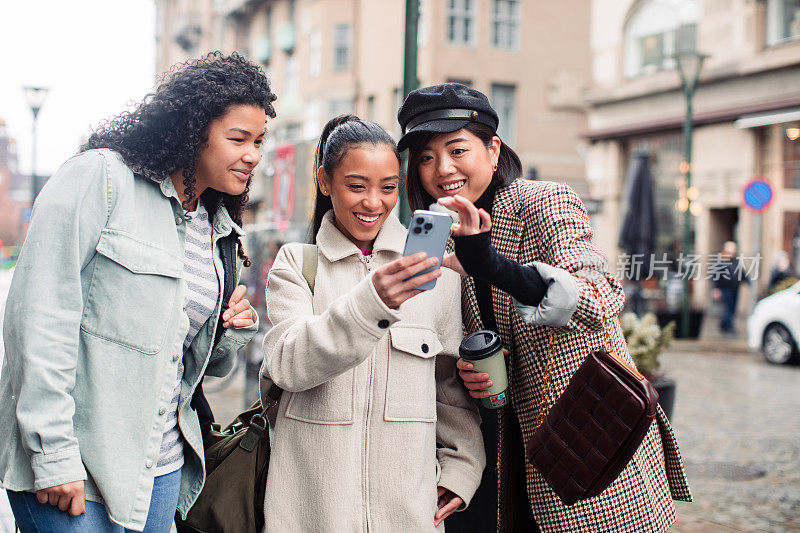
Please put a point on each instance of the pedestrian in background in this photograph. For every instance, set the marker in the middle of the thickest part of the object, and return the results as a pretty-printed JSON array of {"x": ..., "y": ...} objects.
[
  {"x": 530, "y": 269},
  {"x": 780, "y": 273},
  {"x": 728, "y": 276},
  {"x": 115, "y": 311},
  {"x": 374, "y": 432}
]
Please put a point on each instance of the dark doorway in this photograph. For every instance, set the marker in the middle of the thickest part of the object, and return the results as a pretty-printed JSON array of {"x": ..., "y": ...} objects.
[{"x": 723, "y": 227}]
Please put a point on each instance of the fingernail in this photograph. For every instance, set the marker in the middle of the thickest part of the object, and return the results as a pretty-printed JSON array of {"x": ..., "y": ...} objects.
[{"x": 491, "y": 383}]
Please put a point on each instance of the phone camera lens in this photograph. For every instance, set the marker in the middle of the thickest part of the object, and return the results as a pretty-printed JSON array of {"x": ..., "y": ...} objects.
[
  {"x": 420, "y": 220},
  {"x": 428, "y": 225},
  {"x": 417, "y": 229}
]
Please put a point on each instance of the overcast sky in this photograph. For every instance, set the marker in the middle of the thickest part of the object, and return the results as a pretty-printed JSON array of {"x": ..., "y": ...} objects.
[{"x": 97, "y": 56}]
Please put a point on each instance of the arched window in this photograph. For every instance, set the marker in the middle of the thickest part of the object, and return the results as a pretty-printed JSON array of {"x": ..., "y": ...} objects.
[{"x": 655, "y": 30}]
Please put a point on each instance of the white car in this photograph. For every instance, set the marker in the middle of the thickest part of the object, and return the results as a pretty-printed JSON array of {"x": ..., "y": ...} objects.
[{"x": 774, "y": 326}]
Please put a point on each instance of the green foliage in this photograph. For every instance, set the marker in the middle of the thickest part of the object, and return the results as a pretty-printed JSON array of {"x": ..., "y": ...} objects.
[{"x": 646, "y": 340}]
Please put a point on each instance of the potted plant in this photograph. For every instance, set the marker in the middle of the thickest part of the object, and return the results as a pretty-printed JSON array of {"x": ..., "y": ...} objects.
[{"x": 646, "y": 340}]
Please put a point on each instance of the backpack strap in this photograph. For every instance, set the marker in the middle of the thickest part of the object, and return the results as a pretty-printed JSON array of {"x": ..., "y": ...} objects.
[
  {"x": 310, "y": 260},
  {"x": 272, "y": 392}
]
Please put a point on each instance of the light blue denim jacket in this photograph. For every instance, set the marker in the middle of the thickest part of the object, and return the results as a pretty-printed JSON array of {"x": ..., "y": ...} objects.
[{"x": 94, "y": 328}]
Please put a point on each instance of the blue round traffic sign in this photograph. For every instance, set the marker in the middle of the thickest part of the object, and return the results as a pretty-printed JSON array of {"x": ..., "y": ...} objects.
[{"x": 757, "y": 195}]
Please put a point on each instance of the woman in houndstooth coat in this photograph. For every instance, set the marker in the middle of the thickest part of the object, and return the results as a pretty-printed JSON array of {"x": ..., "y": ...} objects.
[{"x": 529, "y": 269}]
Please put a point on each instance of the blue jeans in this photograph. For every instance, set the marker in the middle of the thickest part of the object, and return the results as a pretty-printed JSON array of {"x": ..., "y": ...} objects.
[
  {"x": 729, "y": 300},
  {"x": 35, "y": 517}
]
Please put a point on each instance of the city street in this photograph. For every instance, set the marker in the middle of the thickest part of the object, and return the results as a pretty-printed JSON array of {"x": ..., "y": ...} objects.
[{"x": 737, "y": 424}]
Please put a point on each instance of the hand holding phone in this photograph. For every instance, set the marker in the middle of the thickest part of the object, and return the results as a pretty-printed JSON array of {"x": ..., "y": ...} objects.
[{"x": 428, "y": 232}]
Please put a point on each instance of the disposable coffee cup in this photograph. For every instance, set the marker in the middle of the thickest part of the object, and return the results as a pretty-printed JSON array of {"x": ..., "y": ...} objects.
[{"x": 484, "y": 349}]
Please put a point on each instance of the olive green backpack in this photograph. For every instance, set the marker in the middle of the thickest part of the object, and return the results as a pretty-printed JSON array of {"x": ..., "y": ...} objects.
[{"x": 237, "y": 460}]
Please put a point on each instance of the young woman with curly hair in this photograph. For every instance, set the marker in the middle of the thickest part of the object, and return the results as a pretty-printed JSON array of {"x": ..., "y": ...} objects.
[{"x": 116, "y": 310}]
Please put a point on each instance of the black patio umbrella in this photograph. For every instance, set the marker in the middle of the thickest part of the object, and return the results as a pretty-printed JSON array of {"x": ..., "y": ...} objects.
[{"x": 638, "y": 232}]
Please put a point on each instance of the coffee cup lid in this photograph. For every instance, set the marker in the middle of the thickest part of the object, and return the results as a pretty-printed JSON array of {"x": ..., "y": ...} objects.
[{"x": 480, "y": 345}]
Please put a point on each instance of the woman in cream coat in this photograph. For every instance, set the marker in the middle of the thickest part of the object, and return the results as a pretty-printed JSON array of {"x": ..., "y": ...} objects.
[{"x": 370, "y": 385}]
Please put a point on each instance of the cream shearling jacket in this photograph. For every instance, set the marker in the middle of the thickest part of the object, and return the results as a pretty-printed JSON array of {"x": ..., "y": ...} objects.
[{"x": 368, "y": 393}]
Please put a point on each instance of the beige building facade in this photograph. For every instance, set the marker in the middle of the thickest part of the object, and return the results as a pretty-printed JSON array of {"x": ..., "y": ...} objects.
[
  {"x": 746, "y": 116},
  {"x": 328, "y": 57}
]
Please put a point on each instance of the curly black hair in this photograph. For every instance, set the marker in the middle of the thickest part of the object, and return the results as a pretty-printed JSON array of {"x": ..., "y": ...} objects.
[{"x": 168, "y": 129}]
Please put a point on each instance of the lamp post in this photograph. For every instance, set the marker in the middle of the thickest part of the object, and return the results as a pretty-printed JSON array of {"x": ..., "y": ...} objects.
[
  {"x": 410, "y": 82},
  {"x": 689, "y": 65},
  {"x": 35, "y": 97}
]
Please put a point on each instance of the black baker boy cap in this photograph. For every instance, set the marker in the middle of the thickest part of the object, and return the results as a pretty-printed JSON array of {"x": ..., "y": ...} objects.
[{"x": 441, "y": 109}]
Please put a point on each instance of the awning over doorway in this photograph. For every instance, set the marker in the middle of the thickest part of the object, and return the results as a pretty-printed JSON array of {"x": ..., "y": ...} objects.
[{"x": 756, "y": 120}]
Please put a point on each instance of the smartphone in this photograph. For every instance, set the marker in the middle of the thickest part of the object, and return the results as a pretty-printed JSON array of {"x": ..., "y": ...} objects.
[{"x": 428, "y": 232}]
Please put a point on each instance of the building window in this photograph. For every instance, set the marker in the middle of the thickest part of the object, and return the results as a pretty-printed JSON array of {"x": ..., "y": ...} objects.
[
  {"x": 342, "y": 44},
  {"x": 461, "y": 21},
  {"x": 291, "y": 85},
  {"x": 655, "y": 31},
  {"x": 791, "y": 155},
  {"x": 783, "y": 20},
  {"x": 666, "y": 153},
  {"x": 503, "y": 97},
  {"x": 505, "y": 24},
  {"x": 288, "y": 133},
  {"x": 371, "y": 107},
  {"x": 341, "y": 106},
  {"x": 315, "y": 53}
]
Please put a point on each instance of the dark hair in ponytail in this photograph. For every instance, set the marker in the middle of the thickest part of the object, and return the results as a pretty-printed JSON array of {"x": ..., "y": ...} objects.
[
  {"x": 338, "y": 136},
  {"x": 509, "y": 167}
]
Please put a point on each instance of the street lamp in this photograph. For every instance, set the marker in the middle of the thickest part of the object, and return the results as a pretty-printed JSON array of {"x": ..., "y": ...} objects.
[
  {"x": 35, "y": 97},
  {"x": 410, "y": 82},
  {"x": 689, "y": 65}
]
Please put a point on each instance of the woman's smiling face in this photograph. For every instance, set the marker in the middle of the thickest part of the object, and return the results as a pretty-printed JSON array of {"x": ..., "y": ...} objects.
[
  {"x": 363, "y": 190},
  {"x": 457, "y": 163}
]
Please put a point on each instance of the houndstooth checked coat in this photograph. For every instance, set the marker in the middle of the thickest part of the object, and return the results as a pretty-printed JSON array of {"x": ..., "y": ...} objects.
[{"x": 546, "y": 222}]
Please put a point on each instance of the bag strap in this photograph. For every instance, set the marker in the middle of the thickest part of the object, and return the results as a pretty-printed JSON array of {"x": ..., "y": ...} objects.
[
  {"x": 310, "y": 260},
  {"x": 549, "y": 371},
  {"x": 309, "y": 268}
]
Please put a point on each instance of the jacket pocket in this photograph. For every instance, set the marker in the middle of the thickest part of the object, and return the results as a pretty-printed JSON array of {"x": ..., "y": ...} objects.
[
  {"x": 131, "y": 298},
  {"x": 330, "y": 403},
  {"x": 410, "y": 379}
]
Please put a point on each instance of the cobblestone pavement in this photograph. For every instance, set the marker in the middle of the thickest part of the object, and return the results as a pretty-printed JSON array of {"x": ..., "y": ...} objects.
[{"x": 736, "y": 418}]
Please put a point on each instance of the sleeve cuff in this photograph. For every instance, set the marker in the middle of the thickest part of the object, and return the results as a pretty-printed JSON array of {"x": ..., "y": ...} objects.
[
  {"x": 560, "y": 300},
  {"x": 461, "y": 482},
  {"x": 242, "y": 336},
  {"x": 369, "y": 310},
  {"x": 475, "y": 253},
  {"x": 53, "y": 469}
]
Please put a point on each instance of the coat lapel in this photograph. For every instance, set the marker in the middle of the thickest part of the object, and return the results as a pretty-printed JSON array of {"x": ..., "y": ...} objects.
[{"x": 469, "y": 306}]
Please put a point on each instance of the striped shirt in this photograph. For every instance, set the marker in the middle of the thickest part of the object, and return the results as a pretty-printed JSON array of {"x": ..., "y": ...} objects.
[{"x": 202, "y": 290}]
